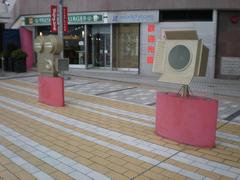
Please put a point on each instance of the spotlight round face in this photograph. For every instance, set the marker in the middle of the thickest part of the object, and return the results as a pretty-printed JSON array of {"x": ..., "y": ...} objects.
[{"x": 179, "y": 57}]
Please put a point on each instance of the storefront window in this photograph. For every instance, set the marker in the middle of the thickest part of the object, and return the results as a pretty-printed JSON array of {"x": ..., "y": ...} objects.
[
  {"x": 74, "y": 44},
  {"x": 44, "y": 30},
  {"x": 99, "y": 45},
  {"x": 126, "y": 46}
]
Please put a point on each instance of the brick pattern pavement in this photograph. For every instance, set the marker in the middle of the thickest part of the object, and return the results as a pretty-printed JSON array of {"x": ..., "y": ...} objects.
[
  {"x": 130, "y": 93},
  {"x": 95, "y": 137}
]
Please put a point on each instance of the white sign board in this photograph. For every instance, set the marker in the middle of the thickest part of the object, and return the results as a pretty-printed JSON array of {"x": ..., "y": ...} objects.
[
  {"x": 230, "y": 66},
  {"x": 132, "y": 17}
]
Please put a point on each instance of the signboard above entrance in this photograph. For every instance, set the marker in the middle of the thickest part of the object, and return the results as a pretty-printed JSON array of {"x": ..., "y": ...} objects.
[
  {"x": 97, "y": 18},
  {"x": 72, "y": 19}
]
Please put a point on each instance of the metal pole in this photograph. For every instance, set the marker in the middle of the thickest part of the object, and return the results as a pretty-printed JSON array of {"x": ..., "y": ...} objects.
[
  {"x": 60, "y": 24},
  {"x": 213, "y": 61}
]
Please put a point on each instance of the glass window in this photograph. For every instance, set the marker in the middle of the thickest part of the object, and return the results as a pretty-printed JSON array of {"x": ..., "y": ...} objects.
[
  {"x": 126, "y": 45},
  {"x": 185, "y": 15},
  {"x": 99, "y": 46},
  {"x": 44, "y": 30},
  {"x": 74, "y": 45}
]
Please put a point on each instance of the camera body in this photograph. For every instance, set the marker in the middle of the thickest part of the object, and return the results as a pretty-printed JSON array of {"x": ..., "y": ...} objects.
[{"x": 48, "y": 49}]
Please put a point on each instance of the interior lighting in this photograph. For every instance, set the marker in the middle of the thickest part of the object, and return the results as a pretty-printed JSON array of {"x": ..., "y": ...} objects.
[{"x": 6, "y": 2}]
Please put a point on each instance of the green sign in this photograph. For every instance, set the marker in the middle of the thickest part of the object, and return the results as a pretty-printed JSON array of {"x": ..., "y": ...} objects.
[
  {"x": 37, "y": 20},
  {"x": 72, "y": 19}
]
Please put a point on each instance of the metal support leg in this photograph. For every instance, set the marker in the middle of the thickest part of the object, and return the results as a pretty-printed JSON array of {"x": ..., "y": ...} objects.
[{"x": 184, "y": 91}]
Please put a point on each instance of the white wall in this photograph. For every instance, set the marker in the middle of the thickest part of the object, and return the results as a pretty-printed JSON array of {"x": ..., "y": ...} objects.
[{"x": 4, "y": 14}]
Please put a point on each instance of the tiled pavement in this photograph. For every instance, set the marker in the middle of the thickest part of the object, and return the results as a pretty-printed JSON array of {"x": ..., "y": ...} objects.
[
  {"x": 133, "y": 93},
  {"x": 96, "y": 137}
]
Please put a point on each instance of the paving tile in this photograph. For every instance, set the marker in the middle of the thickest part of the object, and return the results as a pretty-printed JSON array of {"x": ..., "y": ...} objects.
[
  {"x": 42, "y": 176},
  {"x": 133, "y": 167},
  {"x": 96, "y": 175},
  {"x": 17, "y": 160},
  {"x": 81, "y": 168},
  {"x": 47, "y": 168},
  {"x": 173, "y": 175},
  {"x": 117, "y": 176},
  {"x": 99, "y": 168},
  {"x": 79, "y": 176},
  {"x": 30, "y": 168},
  {"x": 131, "y": 174},
  {"x": 169, "y": 167},
  {"x": 2, "y": 168},
  {"x": 4, "y": 160},
  {"x": 13, "y": 168},
  {"x": 7, "y": 175},
  {"x": 39, "y": 154},
  {"x": 54, "y": 154},
  {"x": 65, "y": 169},
  {"x": 61, "y": 176},
  {"x": 117, "y": 168},
  {"x": 191, "y": 175},
  {"x": 67, "y": 161},
  {"x": 153, "y": 175},
  {"x": 142, "y": 178},
  {"x": 226, "y": 173},
  {"x": 116, "y": 160},
  {"x": 209, "y": 174},
  {"x": 51, "y": 161}
]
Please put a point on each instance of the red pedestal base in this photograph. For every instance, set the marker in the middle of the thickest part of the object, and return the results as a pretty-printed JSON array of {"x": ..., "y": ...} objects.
[
  {"x": 189, "y": 120},
  {"x": 51, "y": 90}
]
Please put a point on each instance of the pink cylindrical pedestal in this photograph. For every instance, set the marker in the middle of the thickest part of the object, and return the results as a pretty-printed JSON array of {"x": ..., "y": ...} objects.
[
  {"x": 51, "y": 90},
  {"x": 189, "y": 120}
]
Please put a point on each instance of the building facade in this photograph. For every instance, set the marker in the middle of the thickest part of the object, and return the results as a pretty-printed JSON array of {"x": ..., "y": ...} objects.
[
  {"x": 4, "y": 18},
  {"x": 121, "y": 35}
]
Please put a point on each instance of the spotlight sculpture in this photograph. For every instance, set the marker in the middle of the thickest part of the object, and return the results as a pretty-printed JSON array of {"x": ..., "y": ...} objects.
[
  {"x": 180, "y": 58},
  {"x": 49, "y": 65},
  {"x": 186, "y": 119}
]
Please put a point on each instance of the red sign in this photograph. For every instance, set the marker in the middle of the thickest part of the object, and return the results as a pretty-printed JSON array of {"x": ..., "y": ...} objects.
[
  {"x": 151, "y": 27},
  {"x": 151, "y": 49},
  {"x": 54, "y": 25},
  {"x": 65, "y": 19},
  {"x": 150, "y": 60},
  {"x": 151, "y": 38}
]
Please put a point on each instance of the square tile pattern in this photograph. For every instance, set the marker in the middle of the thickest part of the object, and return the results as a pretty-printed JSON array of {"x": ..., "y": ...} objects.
[{"x": 104, "y": 138}]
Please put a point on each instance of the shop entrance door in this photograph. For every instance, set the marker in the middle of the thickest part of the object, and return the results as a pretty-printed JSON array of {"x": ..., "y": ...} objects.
[{"x": 101, "y": 50}]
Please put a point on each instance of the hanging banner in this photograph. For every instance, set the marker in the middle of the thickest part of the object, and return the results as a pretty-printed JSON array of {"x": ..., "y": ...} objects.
[
  {"x": 65, "y": 19},
  {"x": 54, "y": 25}
]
